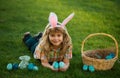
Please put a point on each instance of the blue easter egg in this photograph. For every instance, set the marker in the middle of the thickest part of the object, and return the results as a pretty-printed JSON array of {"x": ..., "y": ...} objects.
[
  {"x": 15, "y": 66},
  {"x": 85, "y": 67},
  {"x": 30, "y": 66},
  {"x": 9, "y": 66},
  {"x": 112, "y": 55},
  {"x": 108, "y": 57},
  {"x": 61, "y": 64},
  {"x": 91, "y": 68},
  {"x": 55, "y": 65},
  {"x": 35, "y": 68}
]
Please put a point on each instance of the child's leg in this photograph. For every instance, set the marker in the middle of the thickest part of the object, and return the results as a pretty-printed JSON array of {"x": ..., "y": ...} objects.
[
  {"x": 29, "y": 40},
  {"x": 32, "y": 49},
  {"x": 36, "y": 37},
  {"x": 27, "y": 36}
]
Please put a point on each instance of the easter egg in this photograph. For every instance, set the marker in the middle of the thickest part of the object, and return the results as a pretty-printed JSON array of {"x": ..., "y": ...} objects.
[
  {"x": 9, "y": 66},
  {"x": 85, "y": 67},
  {"x": 15, "y": 66},
  {"x": 112, "y": 55},
  {"x": 35, "y": 68},
  {"x": 30, "y": 66},
  {"x": 55, "y": 65},
  {"x": 108, "y": 57},
  {"x": 91, "y": 68},
  {"x": 61, "y": 64}
]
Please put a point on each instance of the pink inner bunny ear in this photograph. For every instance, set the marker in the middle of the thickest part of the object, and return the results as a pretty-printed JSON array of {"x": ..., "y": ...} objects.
[
  {"x": 67, "y": 19},
  {"x": 53, "y": 19}
]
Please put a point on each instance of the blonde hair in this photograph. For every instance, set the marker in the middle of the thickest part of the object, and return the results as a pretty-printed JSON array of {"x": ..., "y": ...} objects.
[{"x": 47, "y": 46}]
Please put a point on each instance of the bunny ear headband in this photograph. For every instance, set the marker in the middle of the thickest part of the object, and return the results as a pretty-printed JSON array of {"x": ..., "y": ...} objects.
[{"x": 53, "y": 20}]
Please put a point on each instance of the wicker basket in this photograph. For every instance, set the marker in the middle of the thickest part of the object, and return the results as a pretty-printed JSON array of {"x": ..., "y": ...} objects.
[{"x": 88, "y": 57}]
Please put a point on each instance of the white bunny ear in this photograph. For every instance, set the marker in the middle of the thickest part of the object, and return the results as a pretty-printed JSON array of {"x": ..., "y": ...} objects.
[
  {"x": 67, "y": 19},
  {"x": 53, "y": 19}
]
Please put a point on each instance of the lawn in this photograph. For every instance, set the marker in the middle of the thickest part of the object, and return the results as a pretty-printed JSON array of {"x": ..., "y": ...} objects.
[{"x": 91, "y": 16}]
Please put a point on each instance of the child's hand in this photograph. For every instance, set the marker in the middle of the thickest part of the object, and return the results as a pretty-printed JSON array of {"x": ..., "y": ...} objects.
[
  {"x": 64, "y": 68},
  {"x": 54, "y": 69}
]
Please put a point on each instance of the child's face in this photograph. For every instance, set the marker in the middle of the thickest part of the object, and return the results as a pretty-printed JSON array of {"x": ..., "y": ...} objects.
[{"x": 56, "y": 38}]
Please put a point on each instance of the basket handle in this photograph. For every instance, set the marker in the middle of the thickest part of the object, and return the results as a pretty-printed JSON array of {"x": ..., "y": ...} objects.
[{"x": 95, "y": 34}]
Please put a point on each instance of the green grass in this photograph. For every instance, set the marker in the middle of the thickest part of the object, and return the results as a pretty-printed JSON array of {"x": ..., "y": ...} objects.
[{"x": 91, "y": 16}]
